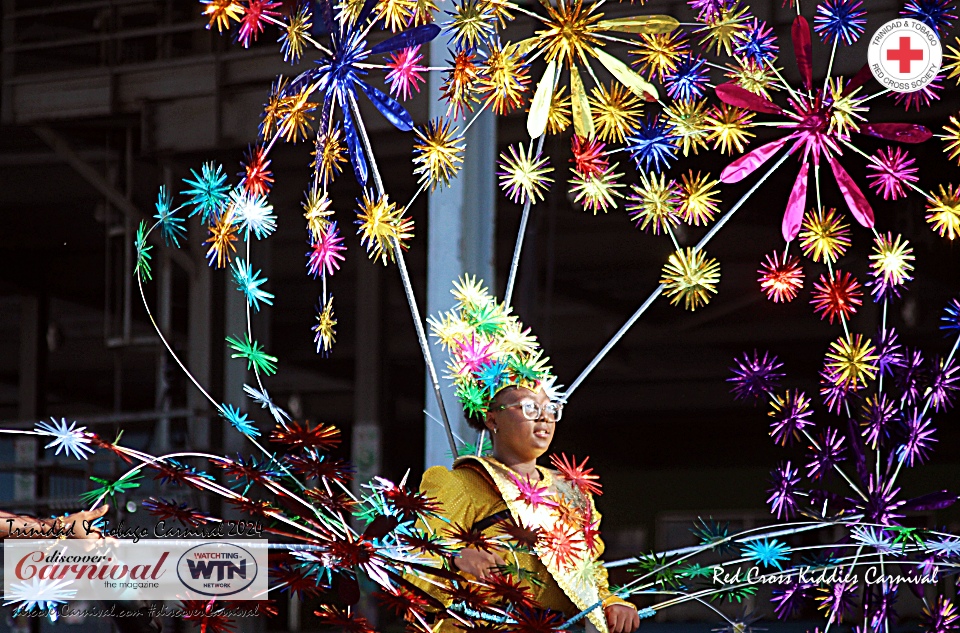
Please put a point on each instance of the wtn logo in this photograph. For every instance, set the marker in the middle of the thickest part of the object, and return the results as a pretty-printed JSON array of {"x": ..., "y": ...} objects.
[{"x": 223, "y": 568}]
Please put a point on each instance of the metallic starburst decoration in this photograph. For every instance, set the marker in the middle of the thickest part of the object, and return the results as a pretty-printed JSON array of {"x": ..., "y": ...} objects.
[
  {"x": 943, "y": 212},
  {"x": 437, "y": 153},
  {"x": 824, "y": 237},
  {"x": 852, "y": 360},
  {"x": 691, "y": 277},
  {"x": 324, "y": 332},
  {"x": 781, "y": 277},
  {"x": 524, "y": 174}
]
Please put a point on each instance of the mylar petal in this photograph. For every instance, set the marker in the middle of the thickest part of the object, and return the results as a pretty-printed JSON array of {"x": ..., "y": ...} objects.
[
  {"x": 793, "y": 216},
  {"x": 900, "y": 132},
  {"x": 627, "y": 76},
  {"x": 750, "y": 162},
  {"x": 803, "y": 49},
  {"x": 851, "y": 193},
  {"x": 389, "y": 107},
  {"x": 357, "y": 157},
  {"x": 580, "y": 107},
  {"x": 406, "y": 39},
  {"x": 735, "y": 95},
  {"x": 540, "y": 106},
  {"x": 651, "y": 24}
]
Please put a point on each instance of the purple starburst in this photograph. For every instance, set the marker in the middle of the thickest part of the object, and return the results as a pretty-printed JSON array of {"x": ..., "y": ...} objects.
[
  {"x": 755, "y": 377},
  {"x": 708, "y": 9},
  {"x": 943, "y": 386},
  {"x": 881, "y": 502},
  {"x": 916, "y": 448},
  {"x": 909, "y": 376},
  {"x": 826, "y": 453},
  {"x": 840, "y": 20},
  {"x": 893, "y": 169},
  {"x": 837, "y": 395},
  {"x": 838, "y": 598},
  {"x": 788, "y": 601},
  {"x": 782, "y": 499},
  {"x": 889, "y": 354},
  {"x": 790, "y": 413},
  {"x": 941, "y": 617},
  {"x": 878, "y": 417},
  {"x": 923, "y": 97},
  {"x": 951, "y": 317}
]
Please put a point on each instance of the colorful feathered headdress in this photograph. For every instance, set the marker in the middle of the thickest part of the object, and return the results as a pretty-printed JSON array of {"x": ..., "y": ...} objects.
[{"x": 489, "y": 348}]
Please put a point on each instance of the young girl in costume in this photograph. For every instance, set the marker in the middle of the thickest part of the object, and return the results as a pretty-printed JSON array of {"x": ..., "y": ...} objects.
[{"x": 539, "y": 526}]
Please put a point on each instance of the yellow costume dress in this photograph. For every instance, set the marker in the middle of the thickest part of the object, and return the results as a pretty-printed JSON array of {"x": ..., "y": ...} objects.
[{"x": 480, "y": 491}]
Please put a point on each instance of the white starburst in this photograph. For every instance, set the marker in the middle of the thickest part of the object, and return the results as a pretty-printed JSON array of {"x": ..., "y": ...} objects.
[
  {"x": 39, "y": 595},
  {"x": 69, "y": 439}
]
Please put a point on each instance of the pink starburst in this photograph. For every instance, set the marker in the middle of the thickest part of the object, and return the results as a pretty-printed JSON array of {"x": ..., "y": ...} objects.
[
  {"x": 893, "y": 168},
  {"x": 781, "y": 278},
  {"x": 923, "y": 97},
  {"x": 251, "y": 25},
  {"x": 589, "y": 158},
  {"x": 405, "y": 72},
  {"x": 473, "y": 354},
  {"x": 325, "y": 257},
  {"x": 532, "y": 493}
]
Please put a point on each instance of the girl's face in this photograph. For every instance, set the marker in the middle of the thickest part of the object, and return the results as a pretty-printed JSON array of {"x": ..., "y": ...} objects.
[{"x": 515, "y": 434}]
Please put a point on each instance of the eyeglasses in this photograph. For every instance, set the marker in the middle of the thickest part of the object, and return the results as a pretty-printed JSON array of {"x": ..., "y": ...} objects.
[{"x": 551, "y": 412}]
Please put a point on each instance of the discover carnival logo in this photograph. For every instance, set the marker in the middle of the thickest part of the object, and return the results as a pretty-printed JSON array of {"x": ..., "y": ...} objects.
[
  {"x": 150, "y": 569},
  {"x": 217, "y": 569}
]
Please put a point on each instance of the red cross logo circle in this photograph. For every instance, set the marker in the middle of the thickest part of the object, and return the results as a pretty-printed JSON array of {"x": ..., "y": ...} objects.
[{"x": 905, "y": 55}]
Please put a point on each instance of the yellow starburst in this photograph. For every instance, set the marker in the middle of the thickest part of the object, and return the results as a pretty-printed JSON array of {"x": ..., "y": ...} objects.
[
  {"x": 325, "y": 334},
  {"x": 223, "y": 233},
  {"x": 271, "y": 111},
  {"x": 317, "y": 207},
  {"x": 221, "y": 12},
  {"x": 461, "y": 83},
  {"x": 514, "y": 340},
  {"x": 845, "y": 110},
  {"x": 437, "y": 152},
  {"x": 943, "y": 212},
  {"x": 890, "y": 260},
  {"x": 348, "y": 11},
  {"x": 524, "y": 175},
  {"x": 396, "y": 14},
  {"x": 474, "y": 21},
  {"x": 658, "y": 53},
  {"x": 470, "y": 292},
  {"x": 851, "y": 360},
  {"x": 689, "y": 276},
  {"x": 698, "y": 202},
  {"x": 503, "y": 78},
  {"x": 596, "y": 192},
  {"x": 953, "y": 67},
  {"x": 760, "y": 79},
  {"x": 689, "y": 121},
  {"x": 615, "y": 113},
  {"x": 824, "y": 236},
  {"x": 295, "y": 34},
  {"x": 295, "y": 117},
  {"x": 423, "y": 12},
  {"x": 558, "y": 117},
  {"x": 449, "y": 329},
  {"x": 951, "y": 136},
  {"x": 570, "y": 33},
  {"x": 332, "y": 154},
  {"x": 723, "y": 28},
  {"x": 382, "y": 227},
  {"x": 653, "y": 203},
  {"x": 727, "y": 127}
]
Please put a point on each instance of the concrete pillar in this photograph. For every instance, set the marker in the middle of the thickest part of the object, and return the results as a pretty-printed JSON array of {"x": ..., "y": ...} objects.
[{"x": 460, "y": 239}]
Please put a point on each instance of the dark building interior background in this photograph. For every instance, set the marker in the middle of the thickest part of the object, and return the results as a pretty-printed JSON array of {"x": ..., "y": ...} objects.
[{"x": 104, "y": 101}]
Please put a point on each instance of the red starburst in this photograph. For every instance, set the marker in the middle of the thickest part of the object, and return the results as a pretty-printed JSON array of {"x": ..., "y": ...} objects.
[
  {"x": 313, "y": 466},
  {"x": 537, "y": 621},
  {"x": 346, "y": 621},
  {"x": 287, "y": 577},
  {"x": 578, "y": 475},
  {"x": 563, "y": 544},
  {"x": 322, "y": 437},
  {"x": 167, "y": 510},
  {"x": 428, "y": 544},
  {"x": 256, "y": 177},
  {"x": 410, "y": 504},
  {"x": 514, "y": 592},
  {"x": 588, "y": 156},
  {"x": 836, "y": 296},
  {"x": 781, "y": 278},
  {"x": 522, "y": 535},
  {"x": 469, "y": 538},
  {"x": 405, "y": 72},
  {"x": 339, "y": 503},
  {"x": 208, "y": 615},
  {"x": 256, "y": 15}
]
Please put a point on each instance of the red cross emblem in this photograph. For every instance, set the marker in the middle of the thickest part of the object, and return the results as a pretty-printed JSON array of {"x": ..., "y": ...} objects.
[{"x": 905, "y": 55}]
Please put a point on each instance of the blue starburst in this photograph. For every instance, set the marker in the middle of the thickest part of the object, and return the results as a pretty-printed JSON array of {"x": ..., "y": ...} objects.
[
  {"x": 652, "y": 148},
  {"x": 757, "y": 42},
  {"x": 209, "y": 192},
  {"x": 171, "y": 226},
  {"x": 688, "y": 80},
  {"x": 253, "y": 214},
  {"x": 249, "y": 282},
  {"x": 934, "y": 13},
  {"x": 951, "y": 318},
  {"x": 239, "y": 421},
  {"x": 71, "y": 440},
  {"x": 875, "y": 538},
  {"x": 840, "y": 20},
  {"x": 493, "y": 376},
  {"x": 768, "y": 552}
]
